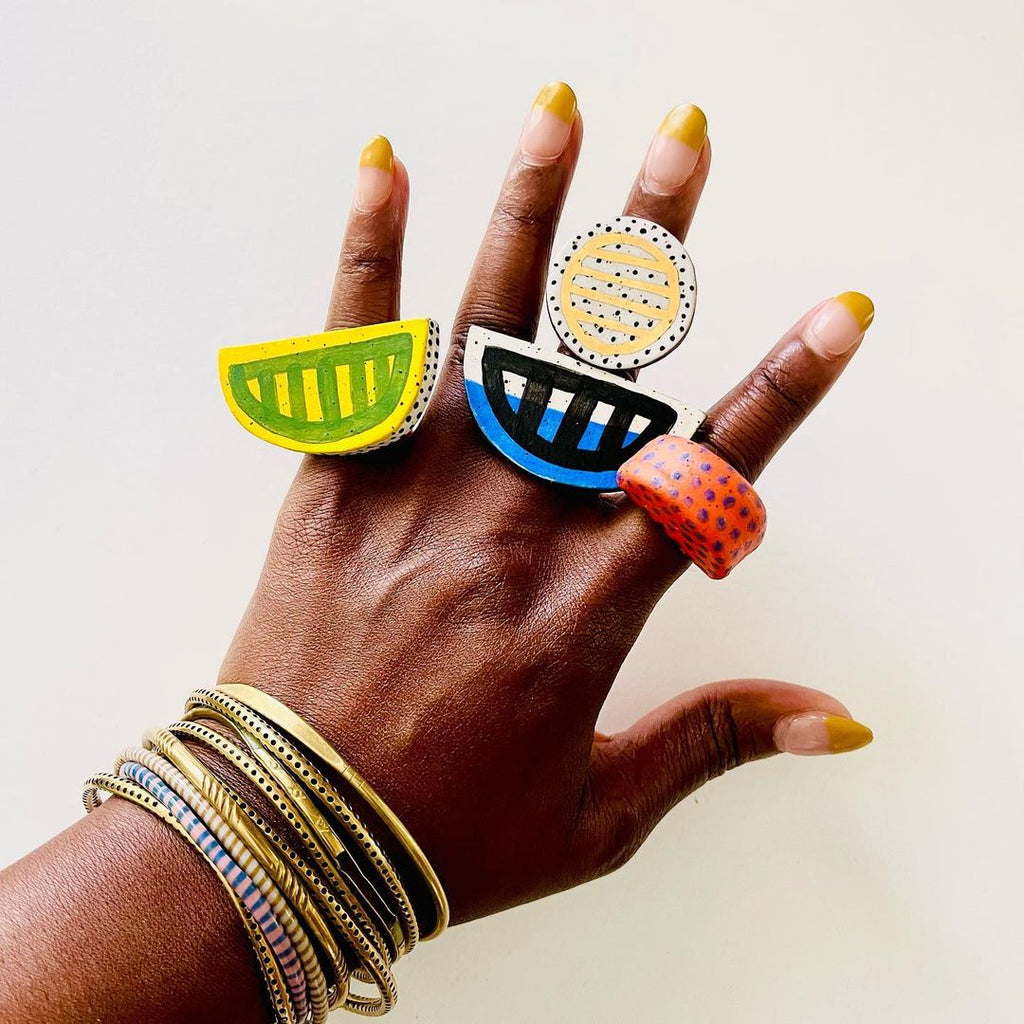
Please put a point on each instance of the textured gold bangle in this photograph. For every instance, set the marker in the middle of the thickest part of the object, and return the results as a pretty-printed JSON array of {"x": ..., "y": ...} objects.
[
  {"x": 304, "y": 734},
  {"x": 266, "y": 857},
  {"x": 273, "y": 980},
  {"x": 247, "y": 720},
  {"x": 376, "y": 969},
  {"x": 316, "y": 834},
  {"x": 196, "y": 730},
  {"x": 236, "y": 848}
]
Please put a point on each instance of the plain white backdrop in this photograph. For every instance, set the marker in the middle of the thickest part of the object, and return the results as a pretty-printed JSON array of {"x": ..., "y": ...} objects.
[{"x": 175, "y": 177}]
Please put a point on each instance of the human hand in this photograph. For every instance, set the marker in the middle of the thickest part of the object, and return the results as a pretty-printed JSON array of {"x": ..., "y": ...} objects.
[{"x": 454, "y": 626}]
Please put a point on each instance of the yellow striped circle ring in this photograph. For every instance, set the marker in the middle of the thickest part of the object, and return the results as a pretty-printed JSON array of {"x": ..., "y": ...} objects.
[{"x": 622, "y": 294}]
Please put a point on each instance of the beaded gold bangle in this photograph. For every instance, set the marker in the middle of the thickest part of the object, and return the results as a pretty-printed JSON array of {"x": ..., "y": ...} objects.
[
  {"x": 252, "y": 886},
  {"x": 305, "y": 735},
  {"x": 349, "y": 919},
  {"x": 265, "y": 856},
  {"x": 327, "y": 848},
  {"x": 234, "y": 846},
  {"x": 339, "y": 911},
  {"x": 313, "y": 780},
  {"x": 273, "y": 980}
]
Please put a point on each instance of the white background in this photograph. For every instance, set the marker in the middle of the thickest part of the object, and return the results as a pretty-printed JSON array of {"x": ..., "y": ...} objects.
[{"x": 174, "y": 177}]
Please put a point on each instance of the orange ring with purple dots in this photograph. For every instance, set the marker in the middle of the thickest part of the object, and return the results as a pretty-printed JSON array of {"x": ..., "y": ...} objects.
[{"x": 711, "y": 512}]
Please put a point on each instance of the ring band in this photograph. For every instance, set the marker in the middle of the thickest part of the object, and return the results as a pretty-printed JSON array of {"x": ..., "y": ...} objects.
[{"x": 712, "y": 513}]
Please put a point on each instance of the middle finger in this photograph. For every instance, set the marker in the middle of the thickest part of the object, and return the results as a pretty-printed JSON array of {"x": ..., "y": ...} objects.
[{"x": 507, "y": 280}]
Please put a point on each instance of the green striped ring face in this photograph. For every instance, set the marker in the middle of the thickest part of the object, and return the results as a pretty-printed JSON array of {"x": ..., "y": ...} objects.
[{"x": 345, "y": 409}]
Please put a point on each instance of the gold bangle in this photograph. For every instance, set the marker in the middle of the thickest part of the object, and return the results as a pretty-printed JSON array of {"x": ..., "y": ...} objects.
[
  {"x": 316, "y": 834},
  {"x": 247, "y": 720},
  {"x": 273, "y": 980},
  {"x": 303, "y": 733},
  {"x": 376, "y": 969},
  {"x": 265, "y": 856},
  {"x": 236, "y": 848},
  {"x": 221, "y": 744}
]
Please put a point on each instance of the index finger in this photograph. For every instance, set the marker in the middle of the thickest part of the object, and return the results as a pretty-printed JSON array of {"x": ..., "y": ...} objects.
[{"x": 751, "y": 423}]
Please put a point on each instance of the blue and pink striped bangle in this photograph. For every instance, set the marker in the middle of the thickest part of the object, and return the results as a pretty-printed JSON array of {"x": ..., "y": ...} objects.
[{"x": 246, "y": 890}]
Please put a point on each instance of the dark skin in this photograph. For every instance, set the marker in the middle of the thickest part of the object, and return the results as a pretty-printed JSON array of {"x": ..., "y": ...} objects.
[{"x": 454, "y": 627}]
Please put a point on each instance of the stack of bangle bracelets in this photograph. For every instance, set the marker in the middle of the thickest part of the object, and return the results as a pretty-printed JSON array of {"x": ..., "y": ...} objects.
[{"x": 323, "y": 905}]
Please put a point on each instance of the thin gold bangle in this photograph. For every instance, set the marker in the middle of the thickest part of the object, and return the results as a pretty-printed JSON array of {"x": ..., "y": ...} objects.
[
  {"x": 235, "y": 846},
  {"x": 376, "y": 969},
  {"x": 291, "y": 887},
  {"x": 311, "y": 827},
  {"x": 302, "y": 732},
  {"x": 247, "y": 720},
  {"x": 273, "y": 980},
  {"x": 216, "y": 741}
]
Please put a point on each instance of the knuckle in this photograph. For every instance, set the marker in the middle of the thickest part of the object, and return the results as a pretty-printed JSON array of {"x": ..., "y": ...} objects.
[
  {"x": 626, "y": 839},
  {"x": 760, "y": 414},
  {"x": 309, "y": 520},
  {"x": 714, "y": 732},
  {"x": 778, "y": 388},
  {"x": 500, "y": 310},
  {"x": 518, "y": 215},
  {"x": 622, "y": 828},
  {"x": 368, "y": 263},
  {"x": 618, "y": 816}
]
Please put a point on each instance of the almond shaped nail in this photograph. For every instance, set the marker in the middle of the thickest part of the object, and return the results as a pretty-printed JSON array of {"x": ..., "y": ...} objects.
[
  {"x": 811, "y": 733},
  {"x": 675, "y": 149},
  {"x": 549, "y": 125},
  {"x": 376, "y": 174},
  {"x": 839, "y": 324}
]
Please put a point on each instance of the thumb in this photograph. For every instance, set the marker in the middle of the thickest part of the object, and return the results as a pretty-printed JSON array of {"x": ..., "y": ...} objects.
[{"x": 639, "y": 774}]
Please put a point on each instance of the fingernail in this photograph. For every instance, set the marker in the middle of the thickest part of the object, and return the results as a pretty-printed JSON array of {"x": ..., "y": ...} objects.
[
  {"x": 673, "y": 153},
  {"x": 839, "y": 325},
  {"x": 549, "y": 125},
  {"x": 376, "y": 174},
  {"x": 817, "y": 733}
]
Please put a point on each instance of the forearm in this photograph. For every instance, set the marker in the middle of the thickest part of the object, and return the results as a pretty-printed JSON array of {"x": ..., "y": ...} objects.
[{"x": 118, "y": 920}]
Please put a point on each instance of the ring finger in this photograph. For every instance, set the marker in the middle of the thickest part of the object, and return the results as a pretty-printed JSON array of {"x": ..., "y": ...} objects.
[{"x": 670, "y": 182}]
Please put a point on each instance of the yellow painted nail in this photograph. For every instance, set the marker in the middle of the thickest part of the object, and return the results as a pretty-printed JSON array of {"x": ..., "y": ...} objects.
[
  {"x": 675, "y": 149},
  {"x": 549, "y": 126},
  {"x": 814, "y": 732},
  {"x": 844, "y": 733},
  {"x": 558, "y": 99},
  {"x": 862, "y": 308},
  {"x": 378, "y": 153},
  {"x": 686, "y": 124},
  {"x": 839, "y": 325},
  {"x": 376, "y": 175}
]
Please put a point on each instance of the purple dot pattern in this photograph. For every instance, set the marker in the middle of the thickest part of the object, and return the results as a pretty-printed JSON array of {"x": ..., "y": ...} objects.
[{"x": 714, "y": 527}]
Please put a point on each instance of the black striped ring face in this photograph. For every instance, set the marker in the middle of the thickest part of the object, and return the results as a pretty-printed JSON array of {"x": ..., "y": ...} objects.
[{"x": 559, "y": 420}]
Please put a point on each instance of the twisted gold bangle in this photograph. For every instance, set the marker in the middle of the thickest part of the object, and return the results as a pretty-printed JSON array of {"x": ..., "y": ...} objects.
[
  {"x": 273, "y": 980},
  {"x": 266, "y": 857},
  {"x": 246, "y": 720},
  {"x": 316, "y": 834},
  {"x": 375, "y": 970},
  {"x": 303, "y": 733}
]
